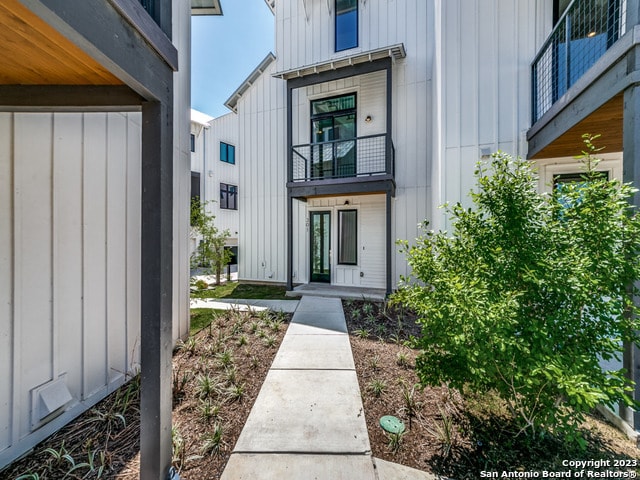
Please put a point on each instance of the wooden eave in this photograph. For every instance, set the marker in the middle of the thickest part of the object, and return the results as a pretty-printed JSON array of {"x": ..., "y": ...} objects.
[
  {"x": 606, "y": 121},
  {"x": 34, "y": 53}
]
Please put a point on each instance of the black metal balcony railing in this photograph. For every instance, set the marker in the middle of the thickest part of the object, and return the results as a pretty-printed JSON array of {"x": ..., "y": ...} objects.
[
  {"x": 586, "y": 30},
  {"x": 355, "y": 157}
]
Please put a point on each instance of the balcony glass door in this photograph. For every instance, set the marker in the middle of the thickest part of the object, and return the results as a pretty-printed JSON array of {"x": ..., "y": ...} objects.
[
  {"x": 320, "y": 246},
  {"x": 333, "y": 133}
]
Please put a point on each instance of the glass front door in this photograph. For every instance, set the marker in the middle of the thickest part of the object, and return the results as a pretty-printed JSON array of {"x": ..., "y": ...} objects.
[
  {"x": 320, "y": 246},
  {"x": 333, "y": 133}
]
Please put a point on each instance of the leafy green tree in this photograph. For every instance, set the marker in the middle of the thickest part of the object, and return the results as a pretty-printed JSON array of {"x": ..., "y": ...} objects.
[
  {"x": 211, "y": 252},
  {"x": 529, "y": 292}
]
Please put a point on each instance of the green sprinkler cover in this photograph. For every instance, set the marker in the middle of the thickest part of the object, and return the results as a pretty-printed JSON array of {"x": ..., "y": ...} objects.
[{"x": 392, "y": 424}]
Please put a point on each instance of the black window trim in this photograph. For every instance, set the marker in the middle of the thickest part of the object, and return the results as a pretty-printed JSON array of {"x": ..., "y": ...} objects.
[
  {"x": 228, "y": 146},
  {"x": 335, "y": 28},
  {"x": 340, "y": 262},
  {"x": 224, "y": 187}
]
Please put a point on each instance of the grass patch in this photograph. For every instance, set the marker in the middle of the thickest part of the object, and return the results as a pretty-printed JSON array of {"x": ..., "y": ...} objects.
[
  {"x": 201, "y": 318},
  {"x": 244, "y": 290}
]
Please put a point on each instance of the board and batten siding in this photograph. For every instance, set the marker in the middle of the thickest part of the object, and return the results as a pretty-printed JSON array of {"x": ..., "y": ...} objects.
[
  {"x": 262, "y": 161},
  {"x": 69, "y": 262},
  {"x": 302, "y": 39},
  {"x": 483, "y": 58},
  {"x": 214, "y": 172},
  {"x": 370, "y": 269},
  {"x": 181, "y": 38},
  {"x": 370, "y": 93}
]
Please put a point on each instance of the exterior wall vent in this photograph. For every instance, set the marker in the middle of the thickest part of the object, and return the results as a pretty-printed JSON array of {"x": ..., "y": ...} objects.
[{"x": 48, "y": 401}]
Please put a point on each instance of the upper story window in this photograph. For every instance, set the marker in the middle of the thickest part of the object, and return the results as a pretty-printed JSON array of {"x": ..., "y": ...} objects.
[
  {"x": 227, "y": 153},
  {"x": 346, "y": 24},
  {"x": 193, "y": 142},
  {"x": 559, "y": 7},
  {"x": 228, "y": 196}
]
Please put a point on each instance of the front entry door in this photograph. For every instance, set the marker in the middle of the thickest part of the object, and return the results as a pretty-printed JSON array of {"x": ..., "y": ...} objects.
[{"x": 320, "y": 246}]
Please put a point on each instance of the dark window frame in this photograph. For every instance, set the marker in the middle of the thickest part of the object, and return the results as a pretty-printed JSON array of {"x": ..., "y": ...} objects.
[
  {"x": 228, "y": 196},
  {"x": 340, "y": 237},
  {"x": 193, "y": 142},
  {"x": 227, "y": 148},
  {"x": 340, "y": 48}
]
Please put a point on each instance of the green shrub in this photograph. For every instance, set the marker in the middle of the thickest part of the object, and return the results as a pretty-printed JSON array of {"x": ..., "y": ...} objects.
[{"x": 528, "y": 293}]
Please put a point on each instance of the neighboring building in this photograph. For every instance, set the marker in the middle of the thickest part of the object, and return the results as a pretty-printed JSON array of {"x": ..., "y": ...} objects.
[
  {"x": 215, "y": 171},
  {"x": 94, "y": 185},
  {"x": 372, "y": 114}
]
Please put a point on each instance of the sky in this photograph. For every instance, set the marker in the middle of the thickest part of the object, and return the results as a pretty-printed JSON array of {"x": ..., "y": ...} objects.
[{"x": 226, "y": 49}]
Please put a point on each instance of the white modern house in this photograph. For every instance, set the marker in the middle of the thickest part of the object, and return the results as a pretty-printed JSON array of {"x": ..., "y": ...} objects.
[
  {"x": 373, "y": 113},
  {"x": 94, "y": 192},
  {"x": 215, "y": 171}
]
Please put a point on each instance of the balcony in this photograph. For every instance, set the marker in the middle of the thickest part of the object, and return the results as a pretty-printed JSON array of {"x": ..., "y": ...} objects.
[
  {"x": 584, "y": 33},
  {"x": 356, "y": 165},
  {"x": 338, "y": 159}
]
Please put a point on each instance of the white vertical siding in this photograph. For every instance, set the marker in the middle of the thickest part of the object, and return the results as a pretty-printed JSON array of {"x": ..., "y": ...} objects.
[
  {"x": 69, "y": 262},
  {"x": 262, "y": 162},
  {"x": 68, "y": 246},
  {"x": 95, "y": 254},
  {"x": 181, "y": 38},
  {"x": 485, "y": 50},
  {"x": 33, "y": 259},
  {"x": 370, "y": 270},
  {"x": 6, "y": 280},
  {"x": 214, "y": 171}
]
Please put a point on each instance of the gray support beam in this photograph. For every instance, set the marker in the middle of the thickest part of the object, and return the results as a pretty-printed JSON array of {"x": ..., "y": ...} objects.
[
  {"x": 289, "y": 156},
  {"x": 389, "y": 250},
  {"x": 289, "y": 242},
  {"x": 631, "y": 173},
  {"x": 156, "y": 290},
  {"x": 633, "y": 13},
  {"x": 78, "y": 98}
]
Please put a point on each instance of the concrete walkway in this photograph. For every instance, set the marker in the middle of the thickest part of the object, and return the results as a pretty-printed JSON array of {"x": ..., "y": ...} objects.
[
  {"x": 308, "y": 420},
  {"x": 287, "y": 306}
]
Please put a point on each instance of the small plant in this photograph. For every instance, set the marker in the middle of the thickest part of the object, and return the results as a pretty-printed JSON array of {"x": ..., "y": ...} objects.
[
  {"x": 231, "y": 375},
  {"x": 213, "y": 442},
  {"x": 275, "y": 324},
  {"x": 402, "y": 359},
  {"x": 411, "y": 404},
  {"x": 201, "y": 285},
  {"x": 242, "y": 340},
  {"x": 444, "y": 432},
  {"x": 206, "y": 386},
  {"x": 367, "y": 309},
  {"x": 255, "y": 361},
  {"x": 377, "y": 387},
  {"x": 254, "y": 327},
  {"x": 361, "y": 333},
  {"x": 189, "y": 347},
  {"x": 270, "y": 341},
  {"x": 63, "y": 460},
  {"x": 235, "y": 392},
  {"x": 395, "y": 441},
  {"x": 225, "y": 358},
  {"x": 374, "y": 363},
  {"x": 208, "y": 410},
  {"x": 179, "y": 381},
  {"x": 178, "y": 450}
]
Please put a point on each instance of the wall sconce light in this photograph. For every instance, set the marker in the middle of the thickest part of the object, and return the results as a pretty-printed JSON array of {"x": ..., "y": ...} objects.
[
  {"x": 368, "y": 119},
  {"x": 346, "y": 202},
  {"x": 591, "y": 34}
]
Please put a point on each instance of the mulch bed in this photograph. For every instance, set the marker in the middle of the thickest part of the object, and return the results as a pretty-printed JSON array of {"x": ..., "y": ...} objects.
[{"x": 219, "y": 371}]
